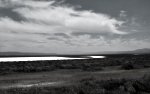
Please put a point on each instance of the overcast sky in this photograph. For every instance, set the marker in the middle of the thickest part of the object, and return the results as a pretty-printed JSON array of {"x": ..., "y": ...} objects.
[{"x": 74, "y": 26}]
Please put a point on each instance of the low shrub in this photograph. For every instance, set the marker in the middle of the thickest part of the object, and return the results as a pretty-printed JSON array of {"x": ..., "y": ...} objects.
[{"x": 127, "y": 66}]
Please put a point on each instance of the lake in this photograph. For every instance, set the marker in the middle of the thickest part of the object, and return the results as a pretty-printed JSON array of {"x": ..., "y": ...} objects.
[{"x": 11, "y": 59}]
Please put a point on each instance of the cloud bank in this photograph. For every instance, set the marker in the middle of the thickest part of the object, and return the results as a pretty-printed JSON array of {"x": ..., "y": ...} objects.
[
  {"x": 49, "y": 17},
  {"x": 49, "y": 25}
]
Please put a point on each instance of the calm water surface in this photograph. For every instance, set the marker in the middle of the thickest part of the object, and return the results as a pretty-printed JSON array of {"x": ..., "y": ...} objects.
[{"x": 11, "y": 59}]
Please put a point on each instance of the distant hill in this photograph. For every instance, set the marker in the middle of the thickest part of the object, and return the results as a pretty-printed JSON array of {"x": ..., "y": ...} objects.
[
  {"x": 138, "y": 51},
  {"x": 28, "y": 54},
  {"x": 141, "y": 51},
  {"x": 23, "y": 54}
]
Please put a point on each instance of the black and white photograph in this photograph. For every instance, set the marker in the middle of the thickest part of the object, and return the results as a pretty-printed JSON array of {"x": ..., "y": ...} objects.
[{"x": 74, "y": 46}]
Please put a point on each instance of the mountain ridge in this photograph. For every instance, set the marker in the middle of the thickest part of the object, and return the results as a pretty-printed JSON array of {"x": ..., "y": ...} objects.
[{"x": 29, "y": 54}]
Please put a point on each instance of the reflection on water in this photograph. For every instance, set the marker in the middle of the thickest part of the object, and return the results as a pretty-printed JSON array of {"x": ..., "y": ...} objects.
[
  {"x": 33, "y": 85},
  {"x": 11, "y": 59},
  {"x": 97, "y": 56}
]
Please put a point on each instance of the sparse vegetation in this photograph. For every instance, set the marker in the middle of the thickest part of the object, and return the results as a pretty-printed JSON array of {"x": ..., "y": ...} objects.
[
  {"x": 126, "y": 62},
  {"x": 91, "y": 86},
  {"x": 87, "y": 85}
]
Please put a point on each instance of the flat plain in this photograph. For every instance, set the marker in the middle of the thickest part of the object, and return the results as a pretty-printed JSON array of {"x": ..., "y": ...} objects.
[{"x": 67, "y": 73}]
